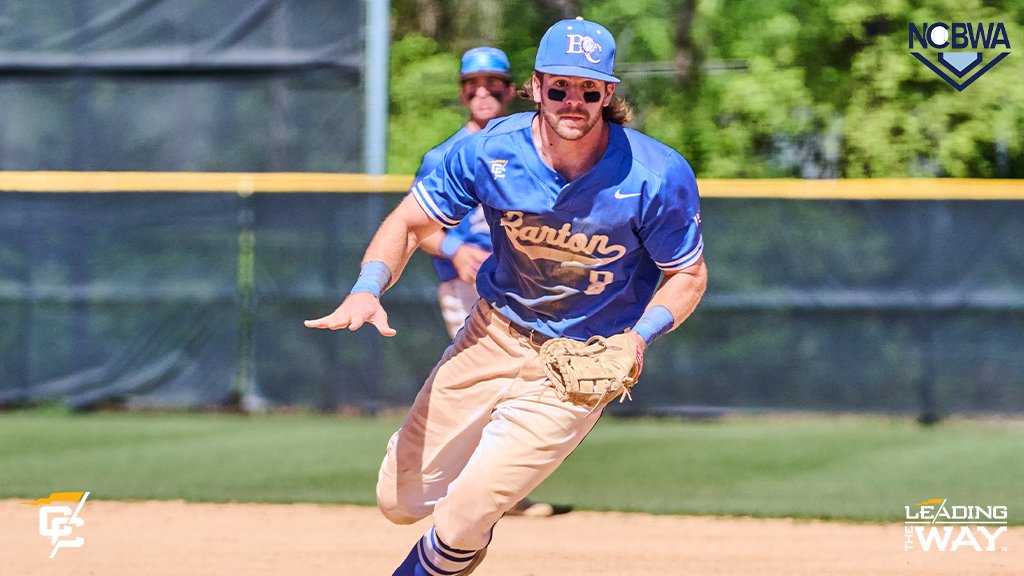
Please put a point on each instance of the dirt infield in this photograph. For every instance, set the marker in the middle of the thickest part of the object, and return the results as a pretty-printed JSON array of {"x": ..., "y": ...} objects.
[{"x": 175, "y": 538}]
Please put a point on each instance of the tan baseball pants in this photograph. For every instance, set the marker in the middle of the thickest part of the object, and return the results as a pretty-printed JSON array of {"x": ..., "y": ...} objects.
[{"x": 483, "y": 432}]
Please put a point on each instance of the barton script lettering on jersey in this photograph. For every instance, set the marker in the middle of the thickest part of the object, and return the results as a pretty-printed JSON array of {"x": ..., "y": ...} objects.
[{"x": 560, "y": 244}]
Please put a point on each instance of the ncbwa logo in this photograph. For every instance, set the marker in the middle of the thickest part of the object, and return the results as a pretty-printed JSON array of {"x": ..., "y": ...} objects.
[{"x": 959, "y": 36}]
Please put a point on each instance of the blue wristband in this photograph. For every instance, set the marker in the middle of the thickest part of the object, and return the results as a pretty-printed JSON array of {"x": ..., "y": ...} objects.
[
  {"x": 655, "y": 322},
  {"x": 374, "y": 277},
  {"x": 449, "y": 246}
]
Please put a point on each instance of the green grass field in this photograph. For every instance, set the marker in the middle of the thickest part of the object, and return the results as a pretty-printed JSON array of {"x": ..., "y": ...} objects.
[{"x": 850, "y": 468}]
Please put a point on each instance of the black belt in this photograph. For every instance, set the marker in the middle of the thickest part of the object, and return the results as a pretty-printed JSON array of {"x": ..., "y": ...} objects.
[{"x": 536, "y": 338}]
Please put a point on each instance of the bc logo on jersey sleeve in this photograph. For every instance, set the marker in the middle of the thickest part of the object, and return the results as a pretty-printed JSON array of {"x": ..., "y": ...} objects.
[{"x": 578, "y": 258}]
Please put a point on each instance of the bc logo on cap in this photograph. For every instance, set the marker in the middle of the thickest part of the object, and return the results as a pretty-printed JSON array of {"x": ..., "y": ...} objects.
[
  {"x": 580, "y": 44},
  {"x": 577, "y": 48}
]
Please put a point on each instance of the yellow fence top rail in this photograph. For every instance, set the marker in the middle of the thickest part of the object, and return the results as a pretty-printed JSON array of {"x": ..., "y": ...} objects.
[
  {"x": 867, "y": 189},
  {"x": 246, "y": 183},
  {"x": 240, "y": 182}
]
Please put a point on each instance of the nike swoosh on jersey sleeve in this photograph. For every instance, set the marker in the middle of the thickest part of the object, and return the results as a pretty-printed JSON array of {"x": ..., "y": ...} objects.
[{"x": 430, "y": 207}]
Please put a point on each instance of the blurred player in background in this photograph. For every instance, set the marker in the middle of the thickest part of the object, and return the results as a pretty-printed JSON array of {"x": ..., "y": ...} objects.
[
  {"x": 486, "y": 90},
  {"x": 596, "y": 232}
]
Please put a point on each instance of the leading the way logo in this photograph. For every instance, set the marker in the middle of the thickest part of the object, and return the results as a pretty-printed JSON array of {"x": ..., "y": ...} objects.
[
  {"x": 938, "y": 525},
  {"x": 961, "y": 49},
  {"x": 58, "y": 522}
]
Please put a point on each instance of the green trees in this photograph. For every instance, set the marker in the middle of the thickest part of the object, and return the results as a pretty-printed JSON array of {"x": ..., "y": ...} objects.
[{"x": 749, "y": 88}]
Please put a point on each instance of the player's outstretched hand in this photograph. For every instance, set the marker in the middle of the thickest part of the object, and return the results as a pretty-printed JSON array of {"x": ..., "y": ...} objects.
[{"x": 357, "y": 309}]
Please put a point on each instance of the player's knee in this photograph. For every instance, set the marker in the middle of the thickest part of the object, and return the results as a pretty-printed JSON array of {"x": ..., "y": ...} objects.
[
  {"x": 400, "y": 511},
  {"x": 400, "y": 515}
]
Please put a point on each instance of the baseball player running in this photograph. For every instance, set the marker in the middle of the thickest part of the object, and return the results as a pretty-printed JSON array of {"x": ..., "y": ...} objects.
[
  {"x": 597, "y": 244},
  {"x": 486, "y": 89}
]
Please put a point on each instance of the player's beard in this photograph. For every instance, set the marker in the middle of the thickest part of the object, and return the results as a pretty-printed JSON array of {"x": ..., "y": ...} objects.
[{"x": 571, "y": 129}]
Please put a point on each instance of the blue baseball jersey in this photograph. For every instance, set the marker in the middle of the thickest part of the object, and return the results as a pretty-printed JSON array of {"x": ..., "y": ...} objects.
[
  {"x": 571, "y": 258},
  {"x": 473, "y": 228}
]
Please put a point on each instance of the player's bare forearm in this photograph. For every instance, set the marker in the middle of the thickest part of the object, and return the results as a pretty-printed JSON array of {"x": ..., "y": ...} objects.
[
  {"x": 399, "y": 235},
  {"x": 432, "y": 244},
  {"x": 681, "y": 291}
]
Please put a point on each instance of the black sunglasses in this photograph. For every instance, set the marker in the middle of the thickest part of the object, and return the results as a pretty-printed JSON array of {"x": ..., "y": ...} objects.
[
  {"x": 559, "y": 95},
  {"x": 496, "y": 94},
  {"x": 499, "y": 96}
]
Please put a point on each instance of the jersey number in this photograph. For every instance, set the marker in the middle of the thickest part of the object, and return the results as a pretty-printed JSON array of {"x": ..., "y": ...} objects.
[{"x": 598, "y": 280}]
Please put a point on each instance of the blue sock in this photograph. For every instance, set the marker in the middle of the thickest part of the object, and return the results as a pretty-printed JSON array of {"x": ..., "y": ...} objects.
[
  {"x": 431, "y": 557},
  {"x": 411, "y": 565}
]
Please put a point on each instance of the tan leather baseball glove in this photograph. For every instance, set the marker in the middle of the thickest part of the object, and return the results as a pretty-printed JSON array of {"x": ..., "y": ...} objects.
[{"x": 589, "y": 373}]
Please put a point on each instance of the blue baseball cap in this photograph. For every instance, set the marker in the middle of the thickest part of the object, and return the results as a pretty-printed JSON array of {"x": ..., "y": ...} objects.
[
  {"x": 485, "y": 60},
  {"x": 577, "y": 48}
]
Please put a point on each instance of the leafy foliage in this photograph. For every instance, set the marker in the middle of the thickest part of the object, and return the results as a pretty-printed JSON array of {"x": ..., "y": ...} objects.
[
  {"x": 424, "y": 101},
  {"x": 788, "y": 88}
]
